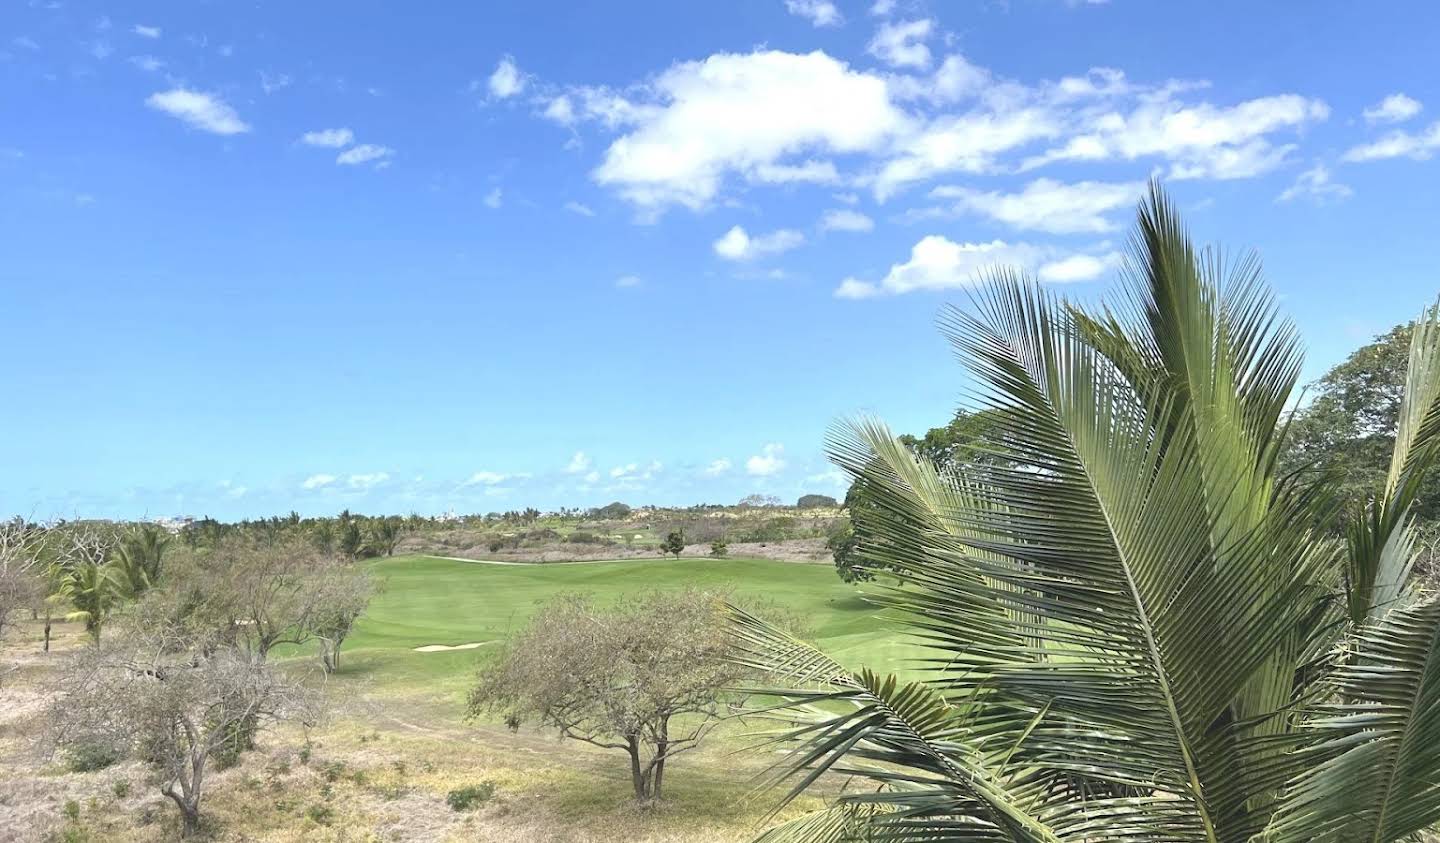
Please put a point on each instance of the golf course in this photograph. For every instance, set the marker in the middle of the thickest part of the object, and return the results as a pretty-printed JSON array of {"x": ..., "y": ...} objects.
[{"x": 428, "y": 602}]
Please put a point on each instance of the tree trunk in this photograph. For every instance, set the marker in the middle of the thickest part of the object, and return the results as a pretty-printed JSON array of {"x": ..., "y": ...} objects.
[
  {"x": 638, "y": 777},
  {"x": 47, "y": 633},
  {"x": 661, "y": 746}
]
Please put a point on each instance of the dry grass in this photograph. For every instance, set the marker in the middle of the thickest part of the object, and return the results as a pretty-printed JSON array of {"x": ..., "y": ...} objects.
[{"x": 380, "y": 771}]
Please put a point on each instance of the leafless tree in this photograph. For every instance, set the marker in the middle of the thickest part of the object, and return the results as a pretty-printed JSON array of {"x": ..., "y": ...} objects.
[
  {"x": 618, "y": 678},
  {"x": 19, "y": 553},
  {"x": 154, "y": 694}
]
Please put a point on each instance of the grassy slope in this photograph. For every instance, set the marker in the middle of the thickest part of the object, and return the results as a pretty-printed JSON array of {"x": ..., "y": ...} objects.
[{"x": 437, "y": 601}]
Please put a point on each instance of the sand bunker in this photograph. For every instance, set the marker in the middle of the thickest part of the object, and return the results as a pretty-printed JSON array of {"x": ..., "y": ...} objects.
[{"x": 440, "y": 648}]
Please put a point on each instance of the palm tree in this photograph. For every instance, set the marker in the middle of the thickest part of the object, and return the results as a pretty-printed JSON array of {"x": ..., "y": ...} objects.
[
  {"x": 139, "y": 557},
  {"x": 1135, "y": 628},
  {"x": 93, "y": 589}
]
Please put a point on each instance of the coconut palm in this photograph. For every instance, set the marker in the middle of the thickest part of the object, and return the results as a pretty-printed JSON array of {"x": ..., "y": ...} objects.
[
  {"x": 93, "y": 590},
  {"x": 1134, "y": 628},
  {"x": 139, "y": 557}
]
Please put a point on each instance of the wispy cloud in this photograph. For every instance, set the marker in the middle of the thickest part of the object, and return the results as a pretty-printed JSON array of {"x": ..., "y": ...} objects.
[
  {"x": 143, "y": 31},
  {"x": 362, "y": 153},
  {"x": 318, "y": 481},
  {"x": 199, "y": 110},
  {"x": 737, "y": 245},
  {"x": 331, "y": 138}
]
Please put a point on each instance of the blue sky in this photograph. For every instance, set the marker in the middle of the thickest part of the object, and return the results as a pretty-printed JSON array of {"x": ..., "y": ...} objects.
[{"x": 421, "y": 257}]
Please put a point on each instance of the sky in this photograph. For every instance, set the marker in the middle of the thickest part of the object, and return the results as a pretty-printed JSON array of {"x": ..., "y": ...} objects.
[{"x": 468, "y": 257}]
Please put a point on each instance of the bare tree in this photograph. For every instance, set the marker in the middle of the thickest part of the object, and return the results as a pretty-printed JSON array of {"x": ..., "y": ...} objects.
[
  {"x": 618, "y": 678},
  {"x": 154, "y": 694},
  {"x": 19, "y": 553}
]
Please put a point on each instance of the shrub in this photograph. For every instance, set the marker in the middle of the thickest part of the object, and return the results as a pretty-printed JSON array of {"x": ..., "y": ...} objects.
[
  {"x": 121, "y": 789},
  {"x": 582, "y": 537},
  {"x": 320, "y": 814},
  {"x": 470, "y": 797},
  {"x": 719, "y": 548},
  {"x": 90, "y": 756}
]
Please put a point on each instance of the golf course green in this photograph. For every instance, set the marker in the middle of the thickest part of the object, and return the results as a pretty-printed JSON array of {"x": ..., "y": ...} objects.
[{"x": 428, "y": 601}]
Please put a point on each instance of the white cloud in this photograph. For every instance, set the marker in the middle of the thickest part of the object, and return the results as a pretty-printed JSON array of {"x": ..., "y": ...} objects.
[
  {"x": 1315, "y": 184},
  {"x": 1050, "y": 206},
  {"x": 146, "y": 31},
  {"x": 938, "y": 263},
  {"x": 206, "y": 112},
  {"x": 971, "y": 142},
  {"x": 902, "y": 44},
  {"x": 362, "y": 153},
  {"x": 819, "y": 12},
  {"x": 149, "y": 64},
  {"x": 844, "y": 219},
  {"x": 1396, "y": 108},
  {"x": 363, "y": 482},
  {"x": 507, "y": 80},
  {"x": 770, "y": 460},
  {"x": 592, "y": 478},
  {"x": 579, "y": 208},
  {"x": 101, "y": 50},
  {"x": 25, "y": 42},
  {"x": 626, "y": 281},
  {"x": 881, "y": 8},
  {"x": 494, "y": 198},
  {"x": 1203, "y": 140},
  {"x": 1078, "y": 267},
  {"x": 736, "y": 245},
  {"x": 744, "y": 114},
  {"x": 833, "y": 478},
  {"x": 318, "y": 481},
  {"x": 1398, "y": 144},
  {"x": 332, "y": 138},
  {"x": 717, "y": 467},
  {"x": 579, "y": 463},
  {"x": 631, "y": 475},
  {"x": 486, "y": 478}
]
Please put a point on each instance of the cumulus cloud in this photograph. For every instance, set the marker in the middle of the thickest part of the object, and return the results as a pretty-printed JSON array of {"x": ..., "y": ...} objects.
[
  {"x": 1316, "y": 185},
  {"x": 770, "y": 460},
  {"x": 1048, "y": 205},
  {"x": 1396, "y": 108},
  {"x": 818, "y": 12},
  {"x": 507, "y": 80},
  {"x": 701, "y": 129},
  {"x": 199, "y": 110},
  {"x": 362, "y": 153},
  {"x": 938, "y": 263},
  {"x": 331, "y": 138},
  {"x": 1398, "y": 144},
  {"x": 717, "y": 467},
  {"x": 748, "y": 115},
  {"x": 579, "y": 463},
  {"x": 902, "y": 44},
  {"x": 737, "y": 245},
  {"x": 318, "y": 481},
  {"x": 844, "y": 219}
]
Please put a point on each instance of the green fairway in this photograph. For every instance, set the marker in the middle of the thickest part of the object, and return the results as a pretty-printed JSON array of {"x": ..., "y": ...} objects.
[{"x": 430, "y": 601}]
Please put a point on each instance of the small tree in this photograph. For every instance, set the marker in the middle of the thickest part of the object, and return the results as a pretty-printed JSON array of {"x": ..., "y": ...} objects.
[
  {"x": 351, "y": 539},
  {"x": 816, "y": 501},
  {"x": 674, "y": 543},
  {"x": 618, "y": 678},
  {"x": 86, "y": 580},
  {"x": 157, "y": 696},
  {"x": 344, "y": 595},
  {"x": 719, "y": 548},
  {"x": 268, "y": 596}
]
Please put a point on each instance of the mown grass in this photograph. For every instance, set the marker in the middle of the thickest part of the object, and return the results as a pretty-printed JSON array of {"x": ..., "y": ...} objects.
[{"x": 438, "y": 601}]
